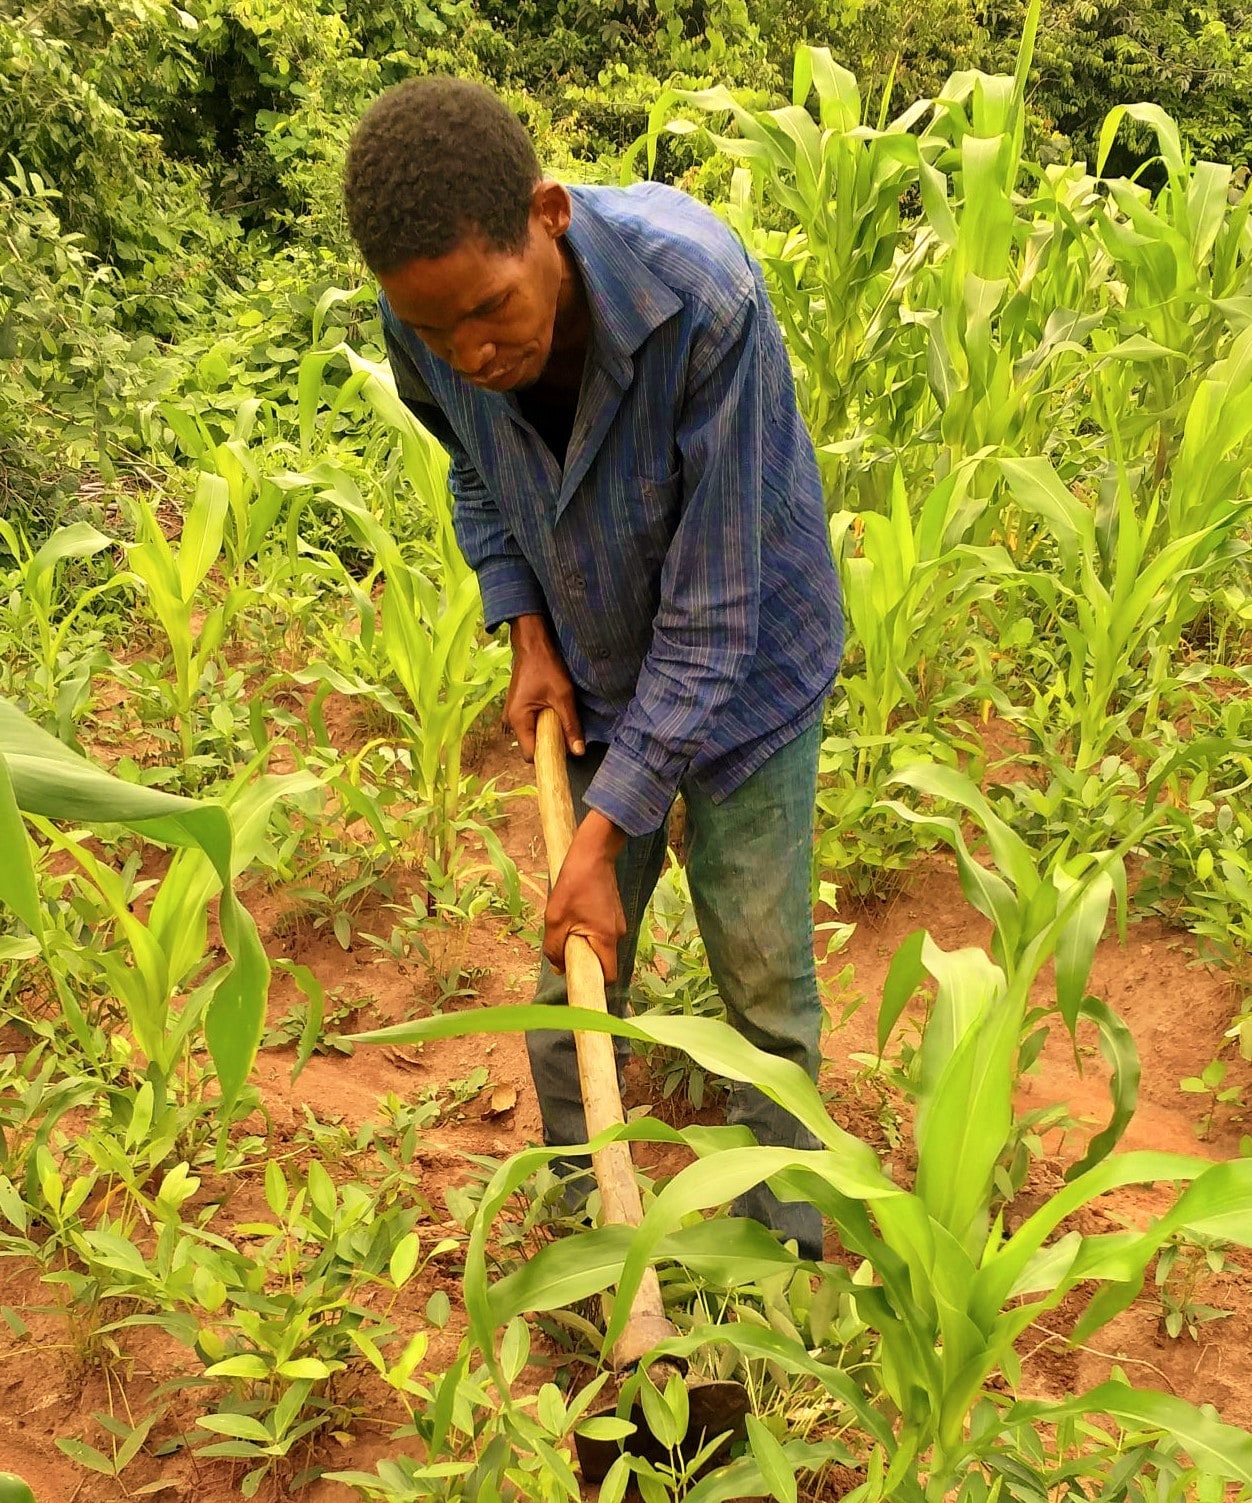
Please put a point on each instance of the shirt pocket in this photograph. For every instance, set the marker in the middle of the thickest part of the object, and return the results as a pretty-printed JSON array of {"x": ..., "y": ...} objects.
[{"x": 654, "y": 503}]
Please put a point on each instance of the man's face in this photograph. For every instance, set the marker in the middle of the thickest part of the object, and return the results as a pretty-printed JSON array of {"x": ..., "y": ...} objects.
[{"x": 489, "y": 314}]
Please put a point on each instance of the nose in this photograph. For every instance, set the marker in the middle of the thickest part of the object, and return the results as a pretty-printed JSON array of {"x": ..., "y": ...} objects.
[{"x": 472, "y": 354}]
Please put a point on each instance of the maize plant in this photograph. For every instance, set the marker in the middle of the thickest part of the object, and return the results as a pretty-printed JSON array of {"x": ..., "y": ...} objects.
[
  {"x": 835, "y": 268},
  {"x": 1065, "y": 352},
  {"x": 427, "y": 637},
  {"x": 944, "y": 1289},
  {"x": 1042, "y": 910},
  {"x": 41, "y": 619},
  {"x": 171, "y": 577},
  {"x": 1124, "y": 583},
  {"x": 254, "y": 502},
  {"x": 912, "y": 581},
  {"x": 161, "y": 971}
]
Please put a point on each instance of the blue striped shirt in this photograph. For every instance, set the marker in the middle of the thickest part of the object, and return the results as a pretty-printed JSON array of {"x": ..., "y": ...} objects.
[{"x": 681, "y": 554}]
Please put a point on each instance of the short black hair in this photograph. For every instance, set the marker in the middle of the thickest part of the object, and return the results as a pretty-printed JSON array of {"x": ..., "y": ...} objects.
[{"x": 431, "y": 161}]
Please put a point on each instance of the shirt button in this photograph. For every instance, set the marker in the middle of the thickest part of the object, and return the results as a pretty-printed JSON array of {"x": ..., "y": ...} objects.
[
  {"x": 601, "y": 654},
  {"x": 577, "y": 582}
]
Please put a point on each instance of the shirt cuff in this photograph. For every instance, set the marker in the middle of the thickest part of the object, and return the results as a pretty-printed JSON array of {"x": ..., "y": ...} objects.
[
  {"x": 509, "y": 588},
  {"x": 634, "y": 797}
]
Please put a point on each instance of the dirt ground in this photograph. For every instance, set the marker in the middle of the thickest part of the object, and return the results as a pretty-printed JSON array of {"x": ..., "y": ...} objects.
[{"x": 1177, "y": 1009}]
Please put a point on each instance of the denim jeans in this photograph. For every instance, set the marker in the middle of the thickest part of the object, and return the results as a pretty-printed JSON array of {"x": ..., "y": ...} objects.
[{"x": 749, "y": 863}]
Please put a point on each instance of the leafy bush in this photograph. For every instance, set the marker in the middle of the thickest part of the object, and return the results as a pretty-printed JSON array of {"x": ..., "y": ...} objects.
[
  {"x": 85, "y": 85},
  {"x": 1192, "y": 59},
  {"x": 68, "y": 373}
]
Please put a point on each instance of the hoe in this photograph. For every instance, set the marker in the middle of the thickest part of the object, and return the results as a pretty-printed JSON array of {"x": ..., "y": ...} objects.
[{"x": 715, "y": 1408}]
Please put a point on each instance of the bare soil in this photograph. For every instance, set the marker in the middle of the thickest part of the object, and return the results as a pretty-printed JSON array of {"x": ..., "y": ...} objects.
[{"x": 51, "y": 1383}]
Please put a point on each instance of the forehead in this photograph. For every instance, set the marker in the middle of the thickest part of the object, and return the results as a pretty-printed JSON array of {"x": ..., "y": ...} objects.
[{"x": 444, "y": 290}]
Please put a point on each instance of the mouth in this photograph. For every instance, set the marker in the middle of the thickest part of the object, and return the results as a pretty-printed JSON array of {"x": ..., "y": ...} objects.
[
  {"x": 502, "y": 377},
  {"x": 496, "y": 379}
]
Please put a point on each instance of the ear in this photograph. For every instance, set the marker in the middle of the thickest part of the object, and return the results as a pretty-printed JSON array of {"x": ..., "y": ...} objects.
[{"x": 551, "y": 207}]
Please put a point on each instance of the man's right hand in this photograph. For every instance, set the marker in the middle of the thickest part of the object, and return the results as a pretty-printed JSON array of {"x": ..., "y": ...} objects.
[{"x": 540, "y": 681}]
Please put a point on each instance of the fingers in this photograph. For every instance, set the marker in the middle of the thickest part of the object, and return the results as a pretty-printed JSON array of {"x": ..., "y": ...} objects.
[
  {"x": 557, "y": 936},
  {"x": 523, "y": 722},
  {"x": 606, "y": 954},
  {"x": 585, "y": 899},
  {"x": 540, "y": 680},
  {"x": 573, "y": 730},
  {"x": 522, "y": 718},
  {"x": 555, "y": 933}
]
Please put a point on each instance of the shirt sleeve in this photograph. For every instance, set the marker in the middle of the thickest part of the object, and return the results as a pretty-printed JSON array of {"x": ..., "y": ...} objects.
[
  {"x": 704, "y": 635},
  {"x": 506, "y": 581}
]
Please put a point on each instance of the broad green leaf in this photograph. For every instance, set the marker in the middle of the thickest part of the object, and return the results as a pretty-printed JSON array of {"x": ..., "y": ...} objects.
[
  {"x": 1221, "y": 1450},
  {"x": 778, "y": 1473},
  {"x": 606, "y": 1427},
  {"x": 18, "y": 887},
  {"x": 311, "y": 1368},
  {"x": 718, "y": 1047},
  {"x": 78, "y": 540},
  {"x": 404, "y": 1258},
  {"x": 662, "y": 1423},
  {"x": 1001, "y": 1271},
  {"x": 242, "y": 1426},
  {"x": 1117, "y": 1045},
  {"x": 79, "y": 1451},
  {"x": 724, "y": 1252},
  {"x": 1077, "y": 941},
  {"x": 1147, "y": 114},
  {"x": 49, "y": 779},
  {"x": 1012, "y": 856},
  {"x": 965, "y": 1109},
  {"x": 247, "y": 1365},
  {"x": 1035, "y": 487},
  {"x": 204, "y": 526}
]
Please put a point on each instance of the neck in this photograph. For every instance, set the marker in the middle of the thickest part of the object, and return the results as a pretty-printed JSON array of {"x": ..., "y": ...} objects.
[{"x": 571, "y": 331}]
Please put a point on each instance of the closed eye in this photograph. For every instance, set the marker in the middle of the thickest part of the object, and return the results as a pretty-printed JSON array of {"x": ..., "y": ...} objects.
[
  {"x": 484, "y": 310},
  {"x": 492, "y": 306}
]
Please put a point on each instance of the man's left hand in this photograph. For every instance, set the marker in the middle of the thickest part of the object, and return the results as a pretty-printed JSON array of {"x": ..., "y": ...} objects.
[{"x": 585, "y": 899}]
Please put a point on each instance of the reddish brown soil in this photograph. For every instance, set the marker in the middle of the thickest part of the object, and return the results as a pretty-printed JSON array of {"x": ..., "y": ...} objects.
[{"x": 1178, "y": 1011}]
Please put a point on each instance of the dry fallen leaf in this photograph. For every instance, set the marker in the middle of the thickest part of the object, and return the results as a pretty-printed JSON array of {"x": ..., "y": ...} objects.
[{"x": 503, "y": 1099}]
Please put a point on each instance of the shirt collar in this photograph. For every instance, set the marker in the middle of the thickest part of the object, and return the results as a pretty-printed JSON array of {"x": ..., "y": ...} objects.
[{"x": 627, "y": 301}]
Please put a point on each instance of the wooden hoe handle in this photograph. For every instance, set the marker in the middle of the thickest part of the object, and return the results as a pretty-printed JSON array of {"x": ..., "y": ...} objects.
[{"x": 597, "y": 1064}]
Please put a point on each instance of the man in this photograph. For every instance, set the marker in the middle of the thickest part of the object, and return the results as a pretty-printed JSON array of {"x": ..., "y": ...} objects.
[{"x": 638, "y": 496}]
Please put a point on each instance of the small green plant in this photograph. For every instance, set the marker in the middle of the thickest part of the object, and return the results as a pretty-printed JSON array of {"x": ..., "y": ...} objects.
[
  {"x": 424, "y": 636},
  {"x": 53, "y": 627},
  {"x": 1182, "y": 1266},
  {"x": 1054, "y": 908},
  {"x": 490, "y": 1443},
  {"x": 276, "y": 1314},
  {"x": 537, "y": 1214},
  {"x": 42, "y": 779},
  {"x": 1200, "y": 871},
  {"x": 667, "y": 1414},
  {"x": 172, "y": 579},
  {"x": 292, "y": 1027},
  {"x": 1208, "y": 1084},
  {"x": 125, "y": 1442},
  {"x": 672, "y": 978}
]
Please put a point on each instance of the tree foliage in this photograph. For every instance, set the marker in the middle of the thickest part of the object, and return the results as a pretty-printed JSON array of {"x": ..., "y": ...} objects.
[
  {"x": 1193, "y": 59},
  {"x": 163, "y": 161}
]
